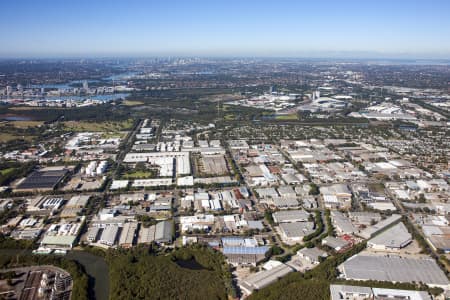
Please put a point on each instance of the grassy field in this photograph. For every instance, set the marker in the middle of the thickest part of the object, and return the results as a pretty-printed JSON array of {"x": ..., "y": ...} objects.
[
  {"x": 132, "y": 103},
  {"x": 25, "y": 124},
  {"x": 377, "y": 187},
  {"x": 290, "y": 117},
  {"x": 6, "y": 172},
  {"x": 19, "y": 108},
  {"x": 139, "y": 175},
  {"x": 6, "y": 137},
  {"x": 109, "y": 126}
]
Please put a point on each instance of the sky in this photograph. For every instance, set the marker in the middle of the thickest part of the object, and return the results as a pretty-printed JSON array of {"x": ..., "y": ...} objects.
[{"x": 281, "y": 28}]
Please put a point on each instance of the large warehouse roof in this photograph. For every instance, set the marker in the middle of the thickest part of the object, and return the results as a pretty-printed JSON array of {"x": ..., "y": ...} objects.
[
  {"x": 394, "y": 237},
  {"x": 43, "y": 179},
  {"x": 245, "y": 250},
  {"x": 290, "y": 216},
  {"x": 396, "y": 269}
]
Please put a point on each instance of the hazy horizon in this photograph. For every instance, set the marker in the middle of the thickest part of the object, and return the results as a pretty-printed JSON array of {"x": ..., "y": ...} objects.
[{"x": 353, "y": 29}]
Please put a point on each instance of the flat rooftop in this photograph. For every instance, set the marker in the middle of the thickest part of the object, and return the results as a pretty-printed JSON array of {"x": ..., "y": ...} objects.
[{"x": 393, "y": 268}]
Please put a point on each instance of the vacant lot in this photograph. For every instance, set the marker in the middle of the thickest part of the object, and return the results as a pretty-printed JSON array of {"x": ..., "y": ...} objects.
[
  {"x": 132, "y": 103},
  {"x": 108, "y": 126},
  {"x": 213, "y": 165},
  {"x": 7, "y": 137}
]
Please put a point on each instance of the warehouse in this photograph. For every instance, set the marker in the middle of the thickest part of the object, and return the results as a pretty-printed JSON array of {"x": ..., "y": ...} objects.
[
  {"x": 295, "y": 231},
  {"x": 371, "y": 231},
  {"x": 42, "y": 180},
  {"x": 342, "y": 223},
  {"x": 163, "y": 232},
  {"x": 336, "y": 244},
  {"x": 92, "y": 234},
  {"x": 160, "y": 233},
  {"x": 168, "y": 161},
  {"x": 147, "y": 235},
  {"x": 245, "y": 255},
  {"x": 337, "y": 196},
  {"x": 128, "y": 234},
  {"x": 342, "y": 292},
  {"x": 79, "y": 201},
  {"x": 109, "y": 235},
  {"x": 312, "y": 255},
  {"x": 286, "y": 202},
  {"x": 264, "y": 278},
  {"x": 290, "y": 216},
  {"x": 394, "y": 269},
  {"x": 236, "y": 241},
  {"x": 200, "y": 221},
  {"x": 394, "y": 238},
  {"x": 152, "y": 182}
]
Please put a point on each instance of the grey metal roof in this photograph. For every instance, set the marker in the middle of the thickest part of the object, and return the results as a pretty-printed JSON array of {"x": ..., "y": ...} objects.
[
  {"x": 397, "y": 269},
  {"x": 394, "y": 237},
  {"x": 340, "y": 291},
  {"x": 297, "y": 229},
  {"x": 290, "y": 216}
]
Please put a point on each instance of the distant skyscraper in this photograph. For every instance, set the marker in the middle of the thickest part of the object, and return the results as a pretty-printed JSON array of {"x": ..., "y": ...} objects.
[
  {"x": 317, "y": 96},
  {"x": 273, "y": 89},
  {"x": 85, "y": 85},
  {"x": 8, "y": 90}
]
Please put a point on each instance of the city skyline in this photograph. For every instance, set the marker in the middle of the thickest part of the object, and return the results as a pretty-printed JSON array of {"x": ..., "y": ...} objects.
[{"x": 404, "y": 29}]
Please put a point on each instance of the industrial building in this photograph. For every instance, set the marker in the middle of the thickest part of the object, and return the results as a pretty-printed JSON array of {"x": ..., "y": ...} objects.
[
  {"x": 264, "y": 278},
  {"x": 248, "y": 256},
  {"x": 170, "y": 163},
  {"x": 337, "y": 244},
  {"x": 371, "y": 231},
  {"x": 42, "y": 180},
  {"x": 290, "y": 216},
  {"x": 312, "y": 255},
  {"x": 337, "y": 196},
  {"x": 394, "y": 238},
  {"x": 109, "y": 235},
  {"x": 295, "y": 231},
  {"x": 344, "y": 292},
  {"x": 128, "y": 235},
  {"x": 92, "y": 234},
  {"x": 394, "y": 269},
  {"x": 160, "y": 233}
]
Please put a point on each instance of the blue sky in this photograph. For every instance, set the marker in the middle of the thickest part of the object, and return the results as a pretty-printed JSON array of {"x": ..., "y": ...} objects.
[{"x": 296, "y": 28}]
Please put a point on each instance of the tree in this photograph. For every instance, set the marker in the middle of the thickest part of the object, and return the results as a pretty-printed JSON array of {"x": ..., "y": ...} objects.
[{"x": 314, "y": 189}]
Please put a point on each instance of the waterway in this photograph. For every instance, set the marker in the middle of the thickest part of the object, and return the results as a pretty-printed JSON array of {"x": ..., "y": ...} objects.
[
  {"x": 97, "y": 269},
  {"x": 95, "y": 266}
]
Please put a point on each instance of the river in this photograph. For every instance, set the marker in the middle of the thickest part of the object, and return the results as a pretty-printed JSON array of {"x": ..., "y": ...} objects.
[
  {"x": 95, "y": 266},
  {"x": 97, "y": 269}
]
